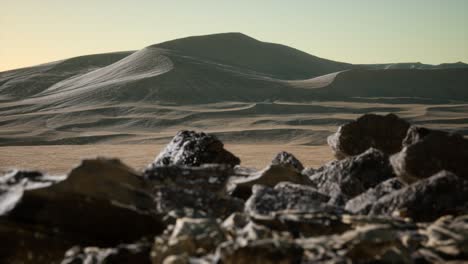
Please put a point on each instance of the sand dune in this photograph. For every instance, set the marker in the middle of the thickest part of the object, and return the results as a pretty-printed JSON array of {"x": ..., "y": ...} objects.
[{"x": 245, "y": 90}]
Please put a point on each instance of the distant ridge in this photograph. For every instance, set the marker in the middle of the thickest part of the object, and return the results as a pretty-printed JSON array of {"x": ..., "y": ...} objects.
[
  {"x": 240, "y": 50},
  {"x": 242, "y": 89}
]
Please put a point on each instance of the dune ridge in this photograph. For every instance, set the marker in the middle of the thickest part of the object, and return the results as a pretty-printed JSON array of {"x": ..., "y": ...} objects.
[{"x": 231, "y": 84}]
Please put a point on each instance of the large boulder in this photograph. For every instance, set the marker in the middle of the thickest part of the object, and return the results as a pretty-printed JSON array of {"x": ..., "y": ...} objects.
[
  {"x": 362, "y": 203},
  {"x": 345, "y": 179},
  {"x": 427, "y": 152},
  {"x": 385, "y": 133},
  {"x": 191, "y": 148},
  {"x": 426, "y": 200}
]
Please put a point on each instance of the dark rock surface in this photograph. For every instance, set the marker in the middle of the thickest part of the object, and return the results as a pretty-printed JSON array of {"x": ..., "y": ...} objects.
[
  {"x": 427, "y": 152},
  {"x": 384, "y": 133},
  {"x": 287, "y": 159},
  {"x": 194, "y": 204},
  {"x": 193, "y": 149},
  {"x": 362, "y": 203},
  {"x": 345, "y": 179},
  {"x": 427, "y": 199}
]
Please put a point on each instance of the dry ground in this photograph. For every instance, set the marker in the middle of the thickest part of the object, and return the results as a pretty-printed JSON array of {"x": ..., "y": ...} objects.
[{"x": 61, "y": 158}]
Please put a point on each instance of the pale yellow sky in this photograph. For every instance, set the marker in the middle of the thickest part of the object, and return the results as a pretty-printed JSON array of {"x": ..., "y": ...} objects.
[{"x": 358, "y": 31}]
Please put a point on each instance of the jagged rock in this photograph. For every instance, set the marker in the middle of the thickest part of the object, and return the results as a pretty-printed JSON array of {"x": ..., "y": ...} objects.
[
  {"x": 125, "y": 253},
  {"x": 345, "y": 179},
  {"x": 263, "y": 251},
  {"x": 189, "y": 237},
  {"x": 362, "y": 203},
  {"x": 449, "y": 236},
  {"x": 385, "y": 133},
  {"x": 287, "y": 160},
  {"x": 427, "y": 152},
  {"x": 298, "y": 209},
  {"x": 194, "y": 149},
  {"x": 426, "y": 199},
  {"x": 270, "y": 176},
  {"x": 93, "y": 204}
]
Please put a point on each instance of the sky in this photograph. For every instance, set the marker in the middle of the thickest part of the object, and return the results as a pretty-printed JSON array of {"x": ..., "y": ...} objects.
[{"x": 354, "y": 31}]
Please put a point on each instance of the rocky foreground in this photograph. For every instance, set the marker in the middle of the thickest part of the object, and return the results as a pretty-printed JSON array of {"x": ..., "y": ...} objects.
[{"x": 396, "y": 194}]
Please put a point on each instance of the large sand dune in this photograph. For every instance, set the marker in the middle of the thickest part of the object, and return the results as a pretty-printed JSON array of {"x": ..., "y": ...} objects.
[{"x": 245, "y": 90}]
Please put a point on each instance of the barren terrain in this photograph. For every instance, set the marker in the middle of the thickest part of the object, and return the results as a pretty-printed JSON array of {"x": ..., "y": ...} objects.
[{"x": 60, "y": 159}]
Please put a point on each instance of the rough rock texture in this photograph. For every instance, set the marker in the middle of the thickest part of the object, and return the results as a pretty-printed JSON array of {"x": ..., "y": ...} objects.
[
  {"x": 385, "y": 133},
  {"x": 185, "y": 202},
  {"x": 362, "y": 203},
  {"x": 427, "y": 152},
  {"x": 192, "y": 191},
  {"x": 266, "y": 251},
  {"x": 194, "y": 206},
  {"x": 191, "y": 237},
  {"x": 372, "y": 243},
  {"x": 449, "y": 236},
  {"x": 78, "y": 208},
  {"x": 295, "y": 208},
  {"x": 425, "y": 200},
  {"x": 287, "y": 159},
  {"x": 193, "y": 149},
  {"x": 345, "y": 179}
]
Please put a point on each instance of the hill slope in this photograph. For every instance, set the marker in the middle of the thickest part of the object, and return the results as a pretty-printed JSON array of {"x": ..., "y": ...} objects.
[{"x": 241, "y": 88}]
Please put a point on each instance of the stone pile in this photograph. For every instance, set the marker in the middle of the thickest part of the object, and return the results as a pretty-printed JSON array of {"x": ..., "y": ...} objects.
[{"x": 396, "y": 194}]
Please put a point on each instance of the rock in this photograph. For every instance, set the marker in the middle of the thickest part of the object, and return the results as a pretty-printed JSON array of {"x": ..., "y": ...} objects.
[
  {"x": 14, "y": 183},
  {"x": 449, "y": 236},
  {"x": 125, "y": 253},
  {"x": 345, "y": 179},
  {"x": 190, "y": 237},
  {"x": 259, "y": 252},
  {"x": 212, "y": 178},
  {"x": 298, "y": 209},
  {"x": 362, "y": 203},
  {"x": 365, "y": 244},
  {"x": 427, "y": 152},
  {"x": 266, "y": 202},
  {"x": 287, "y": 160},
  {"x": 242, "y": 186},
  {"x": 190, "y": 148},
  {"x": 194, "y": 202},
  {"x": 93, "y": 204},
  {"x": 425, "y": 200},
  {"x": 384, "y": 133}
]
